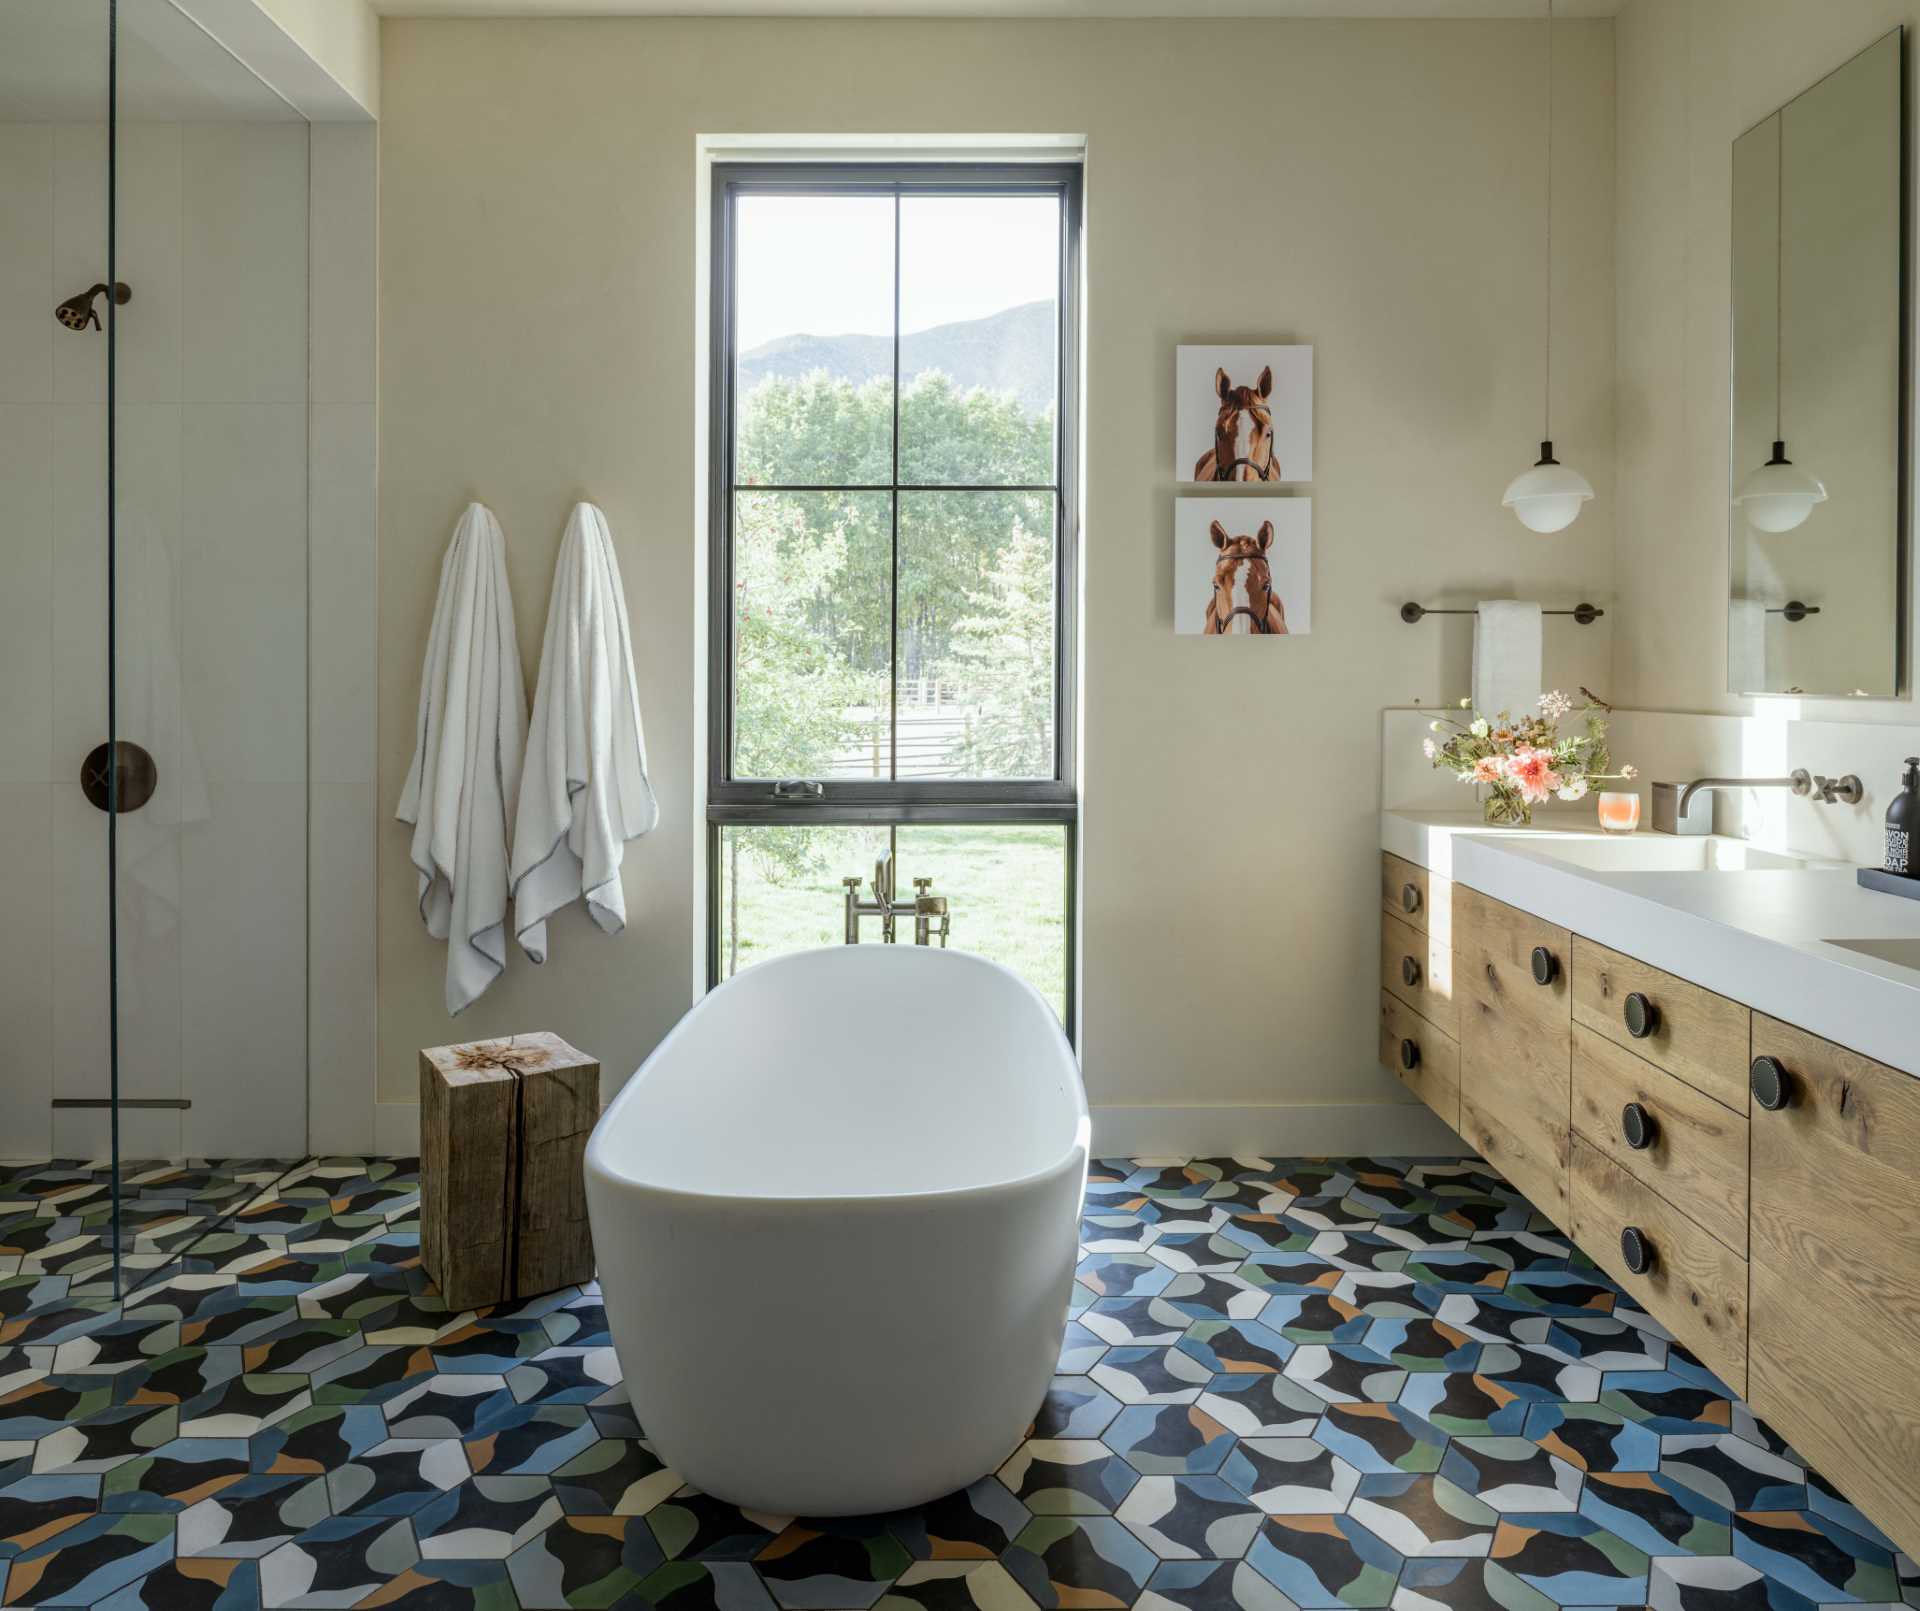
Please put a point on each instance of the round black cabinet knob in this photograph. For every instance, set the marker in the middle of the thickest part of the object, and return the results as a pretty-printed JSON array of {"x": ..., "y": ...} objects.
[
  {"x": 1409, "y": 972},
  {"x": 1638, "y": 1127},
  {"x": 1410, "y": 897},
  {"x": 1771, "y": 1084},
  {"x": 1635, "y": 1250},
  {"x": 1643, "y": 1018},
  {"x": 1409, "y": 1055},
  {"x": 1546, "y": 966}
]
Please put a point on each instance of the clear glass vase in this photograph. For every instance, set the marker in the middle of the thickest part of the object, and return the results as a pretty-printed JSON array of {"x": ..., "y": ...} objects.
[{"x": 1506, "y": 808}]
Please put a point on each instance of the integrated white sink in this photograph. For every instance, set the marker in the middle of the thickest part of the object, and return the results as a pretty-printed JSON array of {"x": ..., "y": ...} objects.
[
  {"x": 1669, "y": 853},
  {"x": 1902, "y": 953}
]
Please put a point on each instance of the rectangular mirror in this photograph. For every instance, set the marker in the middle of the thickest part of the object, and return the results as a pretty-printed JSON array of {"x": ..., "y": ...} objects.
[{"x": 1815, "y": 573}]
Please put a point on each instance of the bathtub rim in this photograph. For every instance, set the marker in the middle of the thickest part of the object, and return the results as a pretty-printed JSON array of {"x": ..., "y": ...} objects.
[{"x": 1077, "y": 1153}]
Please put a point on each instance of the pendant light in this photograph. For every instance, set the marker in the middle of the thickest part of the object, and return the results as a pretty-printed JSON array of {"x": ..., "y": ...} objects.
[
  {"x": 1779, "y": 495},
  {"x": 1547, "y": 498}
]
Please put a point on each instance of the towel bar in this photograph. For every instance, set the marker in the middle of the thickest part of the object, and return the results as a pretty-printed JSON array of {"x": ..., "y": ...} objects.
[{"x": 1584, "y": 614}]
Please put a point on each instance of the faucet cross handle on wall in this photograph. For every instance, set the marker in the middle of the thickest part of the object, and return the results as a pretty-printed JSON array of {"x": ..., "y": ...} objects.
[{"x": 1847, "y": 790}]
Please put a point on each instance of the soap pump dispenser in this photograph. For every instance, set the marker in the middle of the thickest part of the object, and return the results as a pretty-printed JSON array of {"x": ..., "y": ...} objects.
[{"x": 1903, "y": 824}]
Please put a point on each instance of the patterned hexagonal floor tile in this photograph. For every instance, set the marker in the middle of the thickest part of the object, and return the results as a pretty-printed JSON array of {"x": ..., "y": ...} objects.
[{"x": 1287, "y": 1383}]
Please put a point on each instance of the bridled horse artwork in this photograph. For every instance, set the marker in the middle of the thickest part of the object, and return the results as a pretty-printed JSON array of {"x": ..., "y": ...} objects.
[
  {"x": 1243, "y": 599},
  {"x": 1242, "y": 433}
]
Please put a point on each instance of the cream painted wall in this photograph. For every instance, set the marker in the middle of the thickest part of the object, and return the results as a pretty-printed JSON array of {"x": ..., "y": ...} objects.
[
  {"x": 1692, "y": 76},
  {"x": 1372, "y": 187}
]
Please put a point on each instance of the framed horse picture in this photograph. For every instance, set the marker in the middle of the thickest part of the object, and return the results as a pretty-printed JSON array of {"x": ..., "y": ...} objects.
[
  {"x": 1243, "y": 414},
  {"x": 1243, "y": 567}
]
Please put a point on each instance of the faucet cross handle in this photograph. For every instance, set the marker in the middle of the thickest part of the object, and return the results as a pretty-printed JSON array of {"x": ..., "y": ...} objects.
[
  {"x": 1846, "y": 790},
  {"x": 923, "y": 884}
]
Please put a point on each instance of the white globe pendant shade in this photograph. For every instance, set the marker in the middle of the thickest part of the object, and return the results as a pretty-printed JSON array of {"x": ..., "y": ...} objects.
[
  {"x": 1547, "y": 498},
  {"x": 1779, "y": 495}
]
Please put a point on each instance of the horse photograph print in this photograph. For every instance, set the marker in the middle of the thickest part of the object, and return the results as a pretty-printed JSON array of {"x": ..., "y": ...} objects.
[
  {"x": 1243, "y": 567},
  {"x": 1243, "y": 414}
]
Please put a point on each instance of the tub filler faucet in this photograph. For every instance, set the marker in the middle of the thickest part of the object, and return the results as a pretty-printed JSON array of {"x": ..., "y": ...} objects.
[{"x": 924, "y": 907}]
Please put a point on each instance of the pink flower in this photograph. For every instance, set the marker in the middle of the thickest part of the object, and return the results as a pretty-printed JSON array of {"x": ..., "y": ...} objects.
[
  {"x": 1432, "y": 749},
  {"x": 1531, "y": 772},
  {"x": 1487, "y": 770}
]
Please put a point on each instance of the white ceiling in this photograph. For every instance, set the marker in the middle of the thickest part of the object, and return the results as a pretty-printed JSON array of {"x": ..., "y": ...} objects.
[
  {"x": 995, "y": 8},
  {"x": 53, "y": 67}
]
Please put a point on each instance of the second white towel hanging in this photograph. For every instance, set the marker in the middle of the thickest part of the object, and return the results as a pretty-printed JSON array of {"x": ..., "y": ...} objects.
[{"x": 585, "y": 790}]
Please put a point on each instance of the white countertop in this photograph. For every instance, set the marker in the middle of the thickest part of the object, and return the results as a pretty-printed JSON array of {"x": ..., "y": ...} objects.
[{"x": 1760, "y": 936}]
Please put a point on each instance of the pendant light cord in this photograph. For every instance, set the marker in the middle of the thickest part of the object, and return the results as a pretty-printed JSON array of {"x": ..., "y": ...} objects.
[
  {"x": 1546, "y": 408},
  {"x": 1780, "y": 277}
]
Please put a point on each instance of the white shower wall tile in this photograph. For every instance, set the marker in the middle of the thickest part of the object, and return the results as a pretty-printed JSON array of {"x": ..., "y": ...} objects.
[
  {"x": 87, "y": 1132},
  {"x": 344, "y": 176},
  {"x": 341, "y": 582},
  {"x": 26, "y": 592},
  {"x": 79, "y": 583},
  {"x": 79, "y": 255},
  {"x": 244, "y": 589},
  {"x": 341, "y": 983},
  {"x": 26, "y": 971},
  {"x": 244, "y": 263},
  {"x": 148, "y": 471},
  {"x": 244, "y": 972},
  {"x": 149, "y": 950},
  {"x": 27, "y": 296},
  {"x": 147, "y": 257}
]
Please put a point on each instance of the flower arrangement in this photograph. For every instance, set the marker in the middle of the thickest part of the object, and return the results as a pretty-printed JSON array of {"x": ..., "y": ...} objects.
[{"x": 1523, "y": 760}]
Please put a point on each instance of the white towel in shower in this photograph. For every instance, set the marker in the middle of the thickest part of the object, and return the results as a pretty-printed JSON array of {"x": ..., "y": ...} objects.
[
  {"x": 1506, "y": 658},
  {"x": 468, "y": 745},
  {"x": 585, "y": 793}
]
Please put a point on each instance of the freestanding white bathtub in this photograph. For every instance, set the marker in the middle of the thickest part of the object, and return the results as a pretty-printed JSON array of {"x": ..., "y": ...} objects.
[{"x": 835, "y": 1216}]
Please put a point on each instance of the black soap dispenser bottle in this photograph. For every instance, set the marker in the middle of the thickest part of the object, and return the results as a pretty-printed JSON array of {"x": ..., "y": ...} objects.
[{"x": 1903, "y": 824}]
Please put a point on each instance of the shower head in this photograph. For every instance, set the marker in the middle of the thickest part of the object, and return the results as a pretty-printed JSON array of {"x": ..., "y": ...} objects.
[{"x": 78, "y": 312}]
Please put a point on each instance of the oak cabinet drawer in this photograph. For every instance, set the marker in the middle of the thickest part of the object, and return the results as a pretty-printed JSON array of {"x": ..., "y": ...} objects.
[
  {"x": 1426, "y": 1061},
  {"x": 1514, "y": 1041},
  {"x": 1678, "y": 1026},
  {"x": 1510, "y": 957},
  {"x": 1668, "y": 1136},
  {"x": 1419, "y": 970},
  {"x": 1836, "y": 1267},
  {"x": 1415, "y": 896},
  {"x": 1689, "y": 1282}
]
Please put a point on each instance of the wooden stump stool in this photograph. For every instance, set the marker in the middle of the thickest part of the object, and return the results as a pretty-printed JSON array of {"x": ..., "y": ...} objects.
[{"x": 503, "y": 1137}]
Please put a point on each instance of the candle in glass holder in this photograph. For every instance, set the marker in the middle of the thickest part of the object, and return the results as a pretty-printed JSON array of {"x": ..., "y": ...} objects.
[{"x": 1619, "y": 813}]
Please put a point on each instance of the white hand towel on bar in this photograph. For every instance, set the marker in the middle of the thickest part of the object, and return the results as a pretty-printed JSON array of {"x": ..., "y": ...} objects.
[
  {"x": 468, "y": 745},
  {"x": 1506, "y": 658},
  {"x": 1747, "y": 646},
  {"x": 586, "y": 791}
]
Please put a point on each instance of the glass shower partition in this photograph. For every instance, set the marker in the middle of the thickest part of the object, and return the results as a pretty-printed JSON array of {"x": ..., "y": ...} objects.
[{"x": 153, "y": 636}]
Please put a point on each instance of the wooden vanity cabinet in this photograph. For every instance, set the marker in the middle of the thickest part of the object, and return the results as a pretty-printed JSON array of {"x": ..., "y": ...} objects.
[
  {"x": 1424, "y": 1060},
  {"x": 1834, "y": 1338},
  {"x": 1418, "y": 969},
  {"x": 1761, "y": 1199},
  {"x": 1671, "y": 1022},
  {"x": 1511, "y": 989}
]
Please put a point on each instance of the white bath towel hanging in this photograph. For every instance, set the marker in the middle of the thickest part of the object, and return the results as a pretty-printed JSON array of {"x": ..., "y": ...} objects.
[
  {"x": 468, "y": 745},
  {"x": 586, "y": 791},
  {"x": 1507, "y": 658}
]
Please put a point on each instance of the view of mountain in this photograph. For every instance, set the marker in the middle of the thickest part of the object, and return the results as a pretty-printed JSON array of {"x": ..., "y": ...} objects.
[{"x": 1010, "y": 351}]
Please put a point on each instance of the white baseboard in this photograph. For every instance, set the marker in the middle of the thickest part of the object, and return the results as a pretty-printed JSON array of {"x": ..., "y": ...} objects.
[
  {"x": 1357, "y": 1129},
  {"x": 396, "y": 1130}
]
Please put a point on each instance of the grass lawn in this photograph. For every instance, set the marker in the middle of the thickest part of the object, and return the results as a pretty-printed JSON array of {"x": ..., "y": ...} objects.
[{"x": 1007, "y": 886}]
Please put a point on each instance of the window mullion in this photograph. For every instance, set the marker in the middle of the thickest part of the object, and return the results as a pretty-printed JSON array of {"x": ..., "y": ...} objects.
[{"x": 893, "y": 501}]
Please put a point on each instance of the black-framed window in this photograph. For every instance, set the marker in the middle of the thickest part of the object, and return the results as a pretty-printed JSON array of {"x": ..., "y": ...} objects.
[{"x": 892, "y": 637}]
